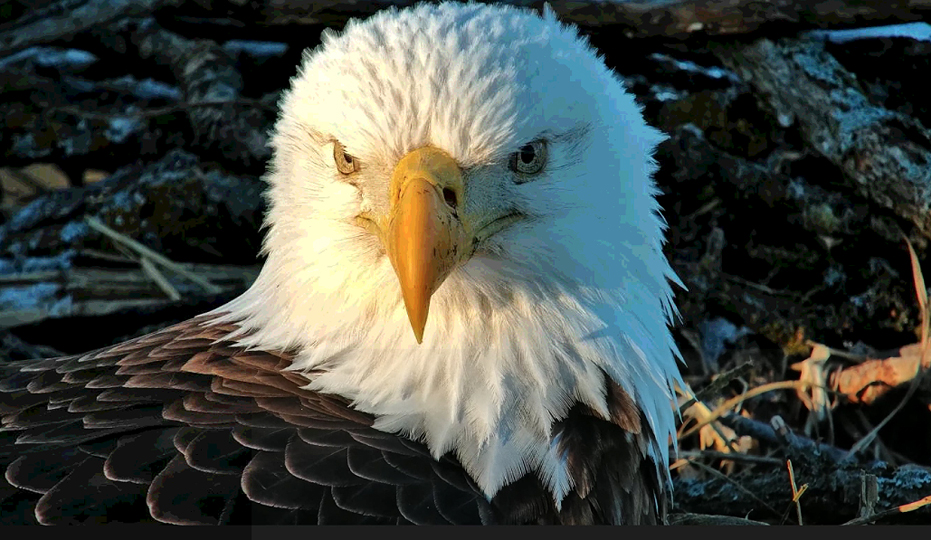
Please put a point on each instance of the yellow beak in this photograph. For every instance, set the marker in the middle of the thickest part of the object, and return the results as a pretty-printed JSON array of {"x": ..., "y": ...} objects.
[{"x": 425, "y": 237}]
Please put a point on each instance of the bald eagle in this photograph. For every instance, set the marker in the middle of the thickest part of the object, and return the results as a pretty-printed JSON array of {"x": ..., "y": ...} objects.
[{"x": 463, "y": 316}]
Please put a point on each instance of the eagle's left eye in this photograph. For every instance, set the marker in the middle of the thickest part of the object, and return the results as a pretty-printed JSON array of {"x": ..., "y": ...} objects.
[
  {"x": 530, "y": 159},
  {"x": 345, "y": 163}
]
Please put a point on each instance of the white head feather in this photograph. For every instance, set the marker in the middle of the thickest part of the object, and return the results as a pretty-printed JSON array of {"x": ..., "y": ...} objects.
[{"x": 526, "y": 327}]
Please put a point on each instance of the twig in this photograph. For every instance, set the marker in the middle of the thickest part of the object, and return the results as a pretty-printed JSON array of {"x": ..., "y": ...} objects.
[
  {"x": 733, "y": 457},
  {"x": 760, "y": 287},
  {"x": 796, "y": 493},
  {"x": 881, "y": 447},
  {"x": 95, "y": 224},
  {"x": 157, "y": 277},
  {"x": 922, "y": 293},
  {"x": 25, "y": 178},
  {"x": 104, "y": 256},
  {"x": 704, "y": 209},
  {"x": 837, "y": 353},
  {"x": 716, "y": 385},
  {"x": 698, "y": 412},
  {"x": 727, "y": 405},
  {"x": 912, "y": 506},
  {"x": 812, "y": 369}
]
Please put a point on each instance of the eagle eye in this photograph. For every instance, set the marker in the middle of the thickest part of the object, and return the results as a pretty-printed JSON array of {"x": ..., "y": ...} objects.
[
  {"x": 345, "y": 163},
  {"x": 530, "y": 159}
]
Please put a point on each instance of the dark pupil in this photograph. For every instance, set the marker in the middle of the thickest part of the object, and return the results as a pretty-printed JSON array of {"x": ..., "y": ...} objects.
[
  {"x": 527, "y": 154},
  {"x": 347, "y": 158}
]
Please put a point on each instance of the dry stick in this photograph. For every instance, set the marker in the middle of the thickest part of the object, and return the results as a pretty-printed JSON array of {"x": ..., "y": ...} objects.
[
  {"x": 881, "y": 447},
  {"x": 727, "y": 405},
  {"x": 830, "y": 417},
  {"x": 796, "y": 493},
  {"x": 159, "y": 279},
  {"x": 95, "y": 224},
  {"x": 924, "y": 501},
  {"x": 28, "y": 180},
  {"x": 760, "y": 287},
  {"x": 837, "y": 353},
  {"x": 731, "y": 444},
  {"x": 747, "y": 458},
  {"x": 721, "y": 476},
  {"x": 29, "y": 278},
  {"x": 922, "y": 294},
  {"x": 716, "y": 385},
  {"x": 151, "y": 272},
  {"x": 812, "y": 369},
  {"x": 106, "y": 256}
]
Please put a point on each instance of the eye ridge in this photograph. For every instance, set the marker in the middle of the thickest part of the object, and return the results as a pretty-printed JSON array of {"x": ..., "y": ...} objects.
[
  {"x": 529, "y": 159},
  {"x": 345, "y": 163}
]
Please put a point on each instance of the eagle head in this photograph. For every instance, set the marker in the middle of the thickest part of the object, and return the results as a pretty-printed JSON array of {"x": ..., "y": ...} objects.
[{"x": 463, "y": 237}]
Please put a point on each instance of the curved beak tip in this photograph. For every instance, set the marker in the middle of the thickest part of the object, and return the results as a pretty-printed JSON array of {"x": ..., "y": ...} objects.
[
  {"x": 417, "y": 308},
  {"x": 418, "y": 335}
]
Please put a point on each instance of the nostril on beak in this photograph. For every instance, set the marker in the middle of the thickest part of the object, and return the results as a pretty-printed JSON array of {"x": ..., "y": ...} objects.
[{"x": 450, "y": 197}]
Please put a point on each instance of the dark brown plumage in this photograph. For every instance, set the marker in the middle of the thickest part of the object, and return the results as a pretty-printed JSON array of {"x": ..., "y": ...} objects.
[{"x": 174, "y": 428}]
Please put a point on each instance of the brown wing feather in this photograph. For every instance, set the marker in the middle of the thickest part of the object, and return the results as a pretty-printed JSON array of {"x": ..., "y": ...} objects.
[
  {"x": 615, "y": 481},
  {"x": 181, "y": 428}
]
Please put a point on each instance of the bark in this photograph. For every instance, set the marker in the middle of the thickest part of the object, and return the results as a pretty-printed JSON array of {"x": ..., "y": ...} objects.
[
  {"x": 91, "y": 292},
  {"x": 884, "y": 155},
  {"x": 658, "y": 18},
  {"x": 832, "y": 496},
  {"x": 206, "y": 74},
  {"x": 59, "y": 19}
]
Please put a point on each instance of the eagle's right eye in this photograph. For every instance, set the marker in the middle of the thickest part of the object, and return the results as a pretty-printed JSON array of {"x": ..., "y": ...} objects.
[
  {"x": 345, "y": 163},
  {"x": 530, "y": 159}
]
